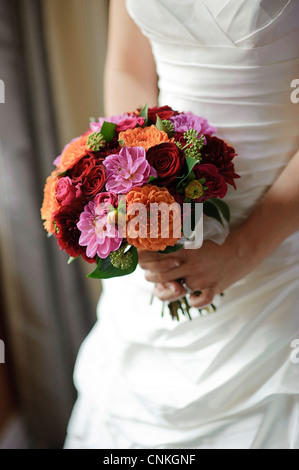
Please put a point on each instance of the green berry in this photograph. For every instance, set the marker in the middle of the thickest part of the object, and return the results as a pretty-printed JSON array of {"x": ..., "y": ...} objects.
[
  {"x": 95, "y": 142},
  {"x": 121, "y": 260}
]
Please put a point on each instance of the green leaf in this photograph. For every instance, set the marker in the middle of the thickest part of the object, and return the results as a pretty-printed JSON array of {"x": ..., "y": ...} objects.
[
  {"x": 122, "y": 142},
  {"x": 222, "y": 207},
  {"x": 152, "y": 179},
  {"x": 64, "y": 173},
  {"x": 144, "y": 113},
  {"x": 71, "y": 259},
  {"x": 210, "y": 210},
  {"x": 160, "y": 125},
  {"x": 171, "y": 249},
  {"x": 190, "y": 162},
  {"x": 105, "y": 270},
  {"x": 108, "y": 130}
]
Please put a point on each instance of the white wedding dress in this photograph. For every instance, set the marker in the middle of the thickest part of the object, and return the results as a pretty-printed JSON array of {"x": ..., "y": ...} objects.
[{"x": 225, "y": 380}]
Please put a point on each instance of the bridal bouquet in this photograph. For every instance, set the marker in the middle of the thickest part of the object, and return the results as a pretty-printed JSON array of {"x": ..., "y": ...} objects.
[{"x": 135, "y": 181}]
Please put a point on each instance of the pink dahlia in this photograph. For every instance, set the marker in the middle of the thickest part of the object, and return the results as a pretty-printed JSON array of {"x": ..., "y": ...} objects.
[
  {"x": 127, "y": 169},
  {"x": 97, "y": 235}
]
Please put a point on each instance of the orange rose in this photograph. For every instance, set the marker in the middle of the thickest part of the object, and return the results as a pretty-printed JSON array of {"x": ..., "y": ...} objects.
[
  {"x": 152, "y": 229},
  {"x": 143, "y": 137},
  {"x": 73, "y": 153},
  {"x": 50, "y": 203}
]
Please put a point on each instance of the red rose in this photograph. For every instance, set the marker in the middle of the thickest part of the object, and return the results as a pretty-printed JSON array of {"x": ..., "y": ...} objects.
[
  {"x": 164, "y": 112},
  {"x": 168, "y": 161},
  {"x": 93, "y": 182},
  {"x": 214, "y": 181},
  {"x": 218, "y": 153},
  {"x": 66, "y": 219},
  {"x": 179, "y": 137},
  {"x": 112, "y": 147},
  {"x": 82, "y": 168},
  {"x": 96, "y": 158}
]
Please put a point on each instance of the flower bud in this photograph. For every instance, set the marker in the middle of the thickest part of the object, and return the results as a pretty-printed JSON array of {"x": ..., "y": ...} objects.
[{"x": 194, "y": 190}]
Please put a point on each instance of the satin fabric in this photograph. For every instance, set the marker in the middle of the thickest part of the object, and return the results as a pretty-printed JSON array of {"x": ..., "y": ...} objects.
[{"x": 224, "y": 380}]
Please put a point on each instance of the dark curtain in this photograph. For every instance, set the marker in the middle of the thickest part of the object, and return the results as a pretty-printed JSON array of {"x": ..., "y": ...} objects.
[{"x": 47, "y": 310}]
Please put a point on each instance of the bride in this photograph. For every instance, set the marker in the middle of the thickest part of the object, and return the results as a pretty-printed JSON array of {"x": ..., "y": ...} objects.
[{"x": 225, "y": 380}]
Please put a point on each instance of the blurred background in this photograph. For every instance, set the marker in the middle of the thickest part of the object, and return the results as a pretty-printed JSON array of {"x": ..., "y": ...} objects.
[{"x": 52, "y": 55}]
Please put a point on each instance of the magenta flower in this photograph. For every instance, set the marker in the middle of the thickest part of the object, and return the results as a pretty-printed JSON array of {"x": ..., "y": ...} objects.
[
  {"x": 65, "y": 191},
  {"x": 97, "y": 235},
  {"x": 130, "y": 123},
  {"x": 127, "y": 169},
  {"x": 57, "y": 160},
  {"x": 97, "y": 126},
  {"x": 185, "y": 121},
  {"x": 106, "y": 202}
]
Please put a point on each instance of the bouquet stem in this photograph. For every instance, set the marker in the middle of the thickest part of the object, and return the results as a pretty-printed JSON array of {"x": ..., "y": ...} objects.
[{"x": 182, "y": 306}]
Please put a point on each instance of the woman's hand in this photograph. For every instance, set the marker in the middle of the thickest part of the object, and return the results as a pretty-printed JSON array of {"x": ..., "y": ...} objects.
[{"x": 210, "y": 269}]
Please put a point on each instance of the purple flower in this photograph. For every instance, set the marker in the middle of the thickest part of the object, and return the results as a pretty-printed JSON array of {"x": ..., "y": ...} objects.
[
  {"x": 185, "y": 121},
  {"x": 57, "y": 160},
  {"x": 97, "y": 126},
  {"x": 127, "y": 169},
  {"x": 97, "y": 235}
]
